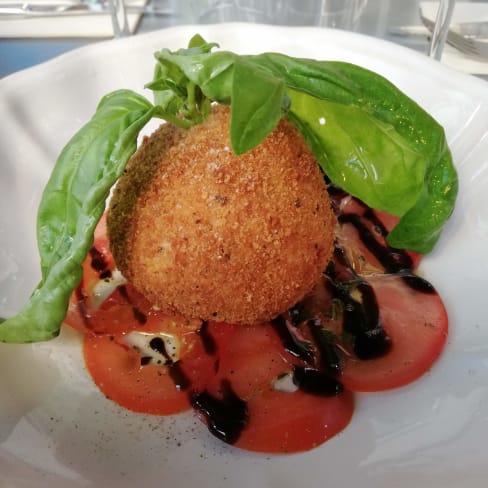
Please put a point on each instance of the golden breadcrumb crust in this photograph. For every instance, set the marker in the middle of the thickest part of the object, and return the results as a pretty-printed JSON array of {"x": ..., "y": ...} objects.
[{"x": 211, "y": 235}]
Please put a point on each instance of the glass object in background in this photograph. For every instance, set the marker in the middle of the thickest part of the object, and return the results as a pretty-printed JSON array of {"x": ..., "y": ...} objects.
[
  {"x": 343, "y": 14},
  {"x": 118, "y": 13},
  {"x": 441, "y": 28},
  {"x": 216, "y": 11},
  {"x": 340, "y": 14}
]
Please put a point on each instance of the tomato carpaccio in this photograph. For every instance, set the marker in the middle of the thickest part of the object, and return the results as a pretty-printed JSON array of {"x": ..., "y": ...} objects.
[{"x": 371, "y": 324}]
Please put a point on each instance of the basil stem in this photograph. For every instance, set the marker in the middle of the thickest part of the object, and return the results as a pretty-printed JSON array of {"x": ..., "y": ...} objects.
[{"x": 71, "y": 206}]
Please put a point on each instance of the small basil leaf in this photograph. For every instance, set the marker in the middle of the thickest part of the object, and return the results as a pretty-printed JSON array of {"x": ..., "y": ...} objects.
[
  {"x": 212, "y": 72},
  {"x": 198, "y": 44},
  {"x": 254, "y": 112}
]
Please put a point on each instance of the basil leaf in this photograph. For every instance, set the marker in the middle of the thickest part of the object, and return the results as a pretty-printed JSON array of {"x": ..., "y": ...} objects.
[
  {"x": 420, "y": 228},
  {"x": 71, "y": 205},
  {"x": 187, "y": 81},
  {"x": 372, "y": 161},
  {"x": 254, "y": 113},
  {"x": 212, "y": 72},
  {"x": 361, "y": 154},
  {"x": 199, "y": 44},
  {"x": 412, "y": 152}
]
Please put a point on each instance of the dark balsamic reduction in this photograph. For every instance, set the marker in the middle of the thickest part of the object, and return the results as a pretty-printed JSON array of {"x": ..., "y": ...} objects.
[
  {"x": 146, "y": 360},
  {"x": 208, "y": 342},
  {"x": 393, "y": 260},
  {"x": 106, "y": 275},
  {"x": 157, "y": 345},
  {"x": 360, "y": 320},
  {"x": 298, "y": 314},
  {"x": 417, "y": 283},
  {"x": 291, "y": 343},
  {"x": 138, "y": 315},
  {"x": 175, "y": 371},
  {"x": 98, "y": 261},
  {"x": 316, "y": 382},
  {"x": 329, "y": 355},
  {"x": 179, "y": 377},
  {"x": 227, "y": 416},
  {"x": 324, "y": 364},
  {"x": 81, "y": 304}
]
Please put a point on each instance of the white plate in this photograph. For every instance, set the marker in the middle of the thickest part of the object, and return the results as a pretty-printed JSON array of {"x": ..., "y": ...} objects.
[{"x": 57, "y": 430}]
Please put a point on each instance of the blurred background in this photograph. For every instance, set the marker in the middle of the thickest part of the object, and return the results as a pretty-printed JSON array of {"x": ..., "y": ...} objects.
[{"x": 29, "y": 39}]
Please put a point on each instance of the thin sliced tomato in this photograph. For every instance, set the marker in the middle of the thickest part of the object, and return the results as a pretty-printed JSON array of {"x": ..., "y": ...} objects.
[
  {"x": 124, "y": 310},
  {"x": 253, "y": 357},
  {"x": 294, "y": 422},
  {"x": 417, "y": 325},
  {"x": 120, "y": 372},
  {"x": 98, "y": 291},
  {"x": 277, "y": 421},
  {"x": 101, "y": 304},
  {"x": 99, "y": 263},
  {"x": 362, "y": 234}
]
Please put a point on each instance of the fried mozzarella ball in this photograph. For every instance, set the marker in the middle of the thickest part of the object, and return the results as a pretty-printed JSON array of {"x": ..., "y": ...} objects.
[{"x": 208, "y": 234}]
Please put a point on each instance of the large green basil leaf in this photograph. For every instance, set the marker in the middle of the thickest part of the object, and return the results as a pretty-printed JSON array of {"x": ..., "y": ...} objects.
[
  {"x": 361, "y": 154},
  {"x": 71, "y": 206}
]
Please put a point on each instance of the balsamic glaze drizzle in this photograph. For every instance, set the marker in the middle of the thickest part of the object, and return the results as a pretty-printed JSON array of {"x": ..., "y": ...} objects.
[
  {"x": 360, "y": 315},
  {"x": 157, "y": 345},
  {"x": 179, "y": 377},
  {"x": 316, "y": 382},
  {"x": 329, "y": 355},
  {"x": 175, "y": 371},
  {"x": 394, "y": 261},
  {"x": 209, "y": 345},
  {"x": 361, "y": 319},
  {"x": 98, "y": 261},
  {"x": 81, "y": 305},
  {"x": 138, "y": 314},
  {"x": 227, "y": 416},
  {"x": 291, "y": 343}
]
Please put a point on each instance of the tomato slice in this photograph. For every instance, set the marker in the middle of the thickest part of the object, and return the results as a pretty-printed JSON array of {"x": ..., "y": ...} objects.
[
  {"x": 161, "y": 389},
  {"x": 417, "y": 325},
  {"x": 362, "y": 233},
  {"x": 273, "y": 420},
  {"x": 294, "y": 422},
  {"x": 103, "y": 303},
  {"x": 99, "y": 282},
  {"x": 99, "y": 263},
  {"x": 124, "y": 310},
  {"x": 242, "y": 380}
]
